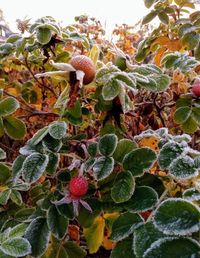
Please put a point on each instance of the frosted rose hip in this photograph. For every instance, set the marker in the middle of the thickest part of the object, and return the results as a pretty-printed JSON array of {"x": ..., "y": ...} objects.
[{"x": 78, "y": 186}]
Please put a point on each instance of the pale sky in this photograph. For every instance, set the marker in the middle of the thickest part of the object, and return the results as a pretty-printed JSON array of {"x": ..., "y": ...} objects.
[{"x": 109, "y": 12}]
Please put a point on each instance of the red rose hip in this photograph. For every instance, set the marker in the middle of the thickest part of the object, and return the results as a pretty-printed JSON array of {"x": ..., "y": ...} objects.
[
  {"x": 196, "y": 88},
  {"x": 78, "y": 186}
]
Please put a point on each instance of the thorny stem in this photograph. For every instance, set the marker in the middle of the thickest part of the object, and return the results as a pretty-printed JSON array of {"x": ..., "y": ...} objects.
[{"x": 42, "y": 85}]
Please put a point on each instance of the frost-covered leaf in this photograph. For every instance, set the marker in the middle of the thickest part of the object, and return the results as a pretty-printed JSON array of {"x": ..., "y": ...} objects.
[
  {"x": 182, "y": 114},
  {"x": 169, "y": 152},
  {"x": 4, "y": 196},
  {"x": 4, "y": 173},
  {"x": 176, "y": 216},
  {"x": 144, "y": 236},
  {"x": 103, "y": 167},
  {"x": 16, "y": 247},
  {"x": 2, "y": 154},
  {"x": 37, "y": 137},
  {"x": 17, "y": 167},
  {"x": 57, "y": 223},
  {"x": 173, "y": 248},
  {"x": 16, "y": 197},
  {"x": 123, "y": 188},
  {"x": 111, "y": 89},
  {"x": 191, "y": 194},
  {"x": 57, "y": 130},
  {"x": 53, "y": 163},
  {"x": 143, "y": 199},
  {"x": 14, "y": 127},
  {"x": 43, "y": 35},
  {"x": 18, "y": 230},
  {"x": 125, "y": 225},
  {"x": 38, "y": 234},
  {"x": 108, "y": 144},
  {"x": 124, "y": 146},
  {"x": 183, "y": 167},
  {"x": 139, "y": 160},
  {"x": 74, "y": 250},
  {"x": 8, "y": 106},
  {"x": 92, "y": 149},
  {"x": 34, "y": 166},
  {"x": 123, "y": 249}
]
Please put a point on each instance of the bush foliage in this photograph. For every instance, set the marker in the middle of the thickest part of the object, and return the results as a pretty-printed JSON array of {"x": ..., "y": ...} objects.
[{"x": 132, "y": 133}]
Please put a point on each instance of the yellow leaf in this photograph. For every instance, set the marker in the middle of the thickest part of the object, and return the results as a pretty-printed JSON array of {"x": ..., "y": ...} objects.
[
  {"x": 94, "y": 54},
  {"x": 159, "y": 55},
  {"x": 94, "y": 235},
  {"x": 150, "y": 142},
  {"x": 107, "y": 243},
  {"x": 170, "y": 44}
]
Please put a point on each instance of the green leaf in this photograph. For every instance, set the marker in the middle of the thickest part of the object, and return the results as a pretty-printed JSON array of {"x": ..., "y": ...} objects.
[
  {"x": 92, "y": 149},
  {"x": 111, "y": 89},
  {"x": 57, "y": 130},
  {"x": 15, "y": 128},
  {"x": 196, "y": 114},
  {"x": 139, "y": 160},
  {"x": 123, "y": 188},
  {"x": 53, "y": 163},
  {"x": 8, "y": 106},
  {"x": 37, "y": 234},
  {"x": 34, "y": 166},
  {"x": 143, "y": 199},
  {"x": 16, "y": 197},
  {"x": 55, "y": 249},
  {"x": 144, "y": 237},
  {"x": 125, "y": 225},
  {"x": 2, "y": 154},
  {"x": 18, "y": 230},
  {"x": 149, "y": 3},
  {"x": 190, "y": 40},
  {"x": 149, "y": 17},
  {"x": 124, "y": 146},
  {"x": 16, "y": 247},
  {"x": 163, "y": 17},
  {"x": 17, "y": 167},
  {"x": 103, "y": 167},
  {"x": 43, "y": 35},
  {"x": 168, "y": 153},
  {"x": 162, "y": 82},
  {"x": 173, "y": 248},
  {"x": 182, "y": 114},
  {"x": 37, "y": 137},
  {"x": 51, "y": 144},
  {"x": 191, "y": 194},
  {"x": 57, "y": 223},
  {"x": 4, "y": 173},
  {"x": 177, "y": 216},
  {"x": 183, "y": 167},
  {"x": 87, "y": 218},
  {"x": 4, "y": 196},
  {"x": 190, "y": 125},
  {"x": 1, "y": 127},
  {"x": 74, "y": 250},
  {"x": 123, "y": 249},
  {"x": 108, "y": 144}
]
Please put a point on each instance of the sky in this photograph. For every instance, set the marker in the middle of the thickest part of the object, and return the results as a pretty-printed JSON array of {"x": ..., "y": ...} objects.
[{"x": 109, "y": 12}]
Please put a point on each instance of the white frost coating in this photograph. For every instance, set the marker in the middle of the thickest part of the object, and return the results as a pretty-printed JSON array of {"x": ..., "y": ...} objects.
[
  {"x": 162, "y": 131},
  {"x": 193, "y": 194},
  {"x": 63, "y": 66},
  {"x": 171, "y": 230},
  {"x": 50, "y": 74},
  {"x": 163, "y": 240},
  {"x": 185, "y": 160},
  {"x": 183, "y": 137}
]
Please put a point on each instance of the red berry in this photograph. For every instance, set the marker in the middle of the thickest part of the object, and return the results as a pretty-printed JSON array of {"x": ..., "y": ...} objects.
[
  {"x": 145, "y": 214},
  {"x": 85, "y": 64},
  {"x": 78, "y": 186},
  {"x": 196, "y": 89}
]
